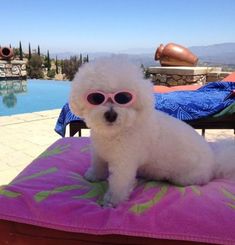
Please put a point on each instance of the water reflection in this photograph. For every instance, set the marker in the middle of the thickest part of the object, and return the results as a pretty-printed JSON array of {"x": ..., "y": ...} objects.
[{"x": 9, "y": 89}]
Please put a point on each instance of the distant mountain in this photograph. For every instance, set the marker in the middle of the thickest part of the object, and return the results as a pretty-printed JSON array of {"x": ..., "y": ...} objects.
[
  {"x": 63, "y": 55},
  {"x": 223, "y": 53},
  {"x": 216, "y": 54},
  {"x": 139, "y": 51},
  {"x": 67, "y": 55},
  {"x": 145, "y": 59}
]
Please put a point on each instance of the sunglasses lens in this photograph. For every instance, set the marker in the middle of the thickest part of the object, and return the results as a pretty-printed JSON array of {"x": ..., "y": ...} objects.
[
  {"x": 123, "y": 97},
  {"x": 95, "y": 98}
]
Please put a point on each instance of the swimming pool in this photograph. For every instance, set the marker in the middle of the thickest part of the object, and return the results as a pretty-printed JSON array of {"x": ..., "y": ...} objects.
[{"x": 18, "y": 97}]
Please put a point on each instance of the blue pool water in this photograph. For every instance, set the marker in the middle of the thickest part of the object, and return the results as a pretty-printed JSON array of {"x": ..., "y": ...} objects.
[{"x": 18, "y": 97}]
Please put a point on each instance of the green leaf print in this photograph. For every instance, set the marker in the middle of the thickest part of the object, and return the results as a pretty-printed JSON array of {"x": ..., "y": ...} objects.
[
  {"x": 140, "y": 208},
  {"x": 85, "y": 148},
  {"x": 231, "y": 205},
  {"x": 195, "y": 190},
  {"x": 79, "y": 177},
  {"x": 7, "y": 193},
  {"x": 230, "y": 196},
  {"x": 92, "y": 190},
  {"x": 181, "y": 189},
  {"x": 42, "y": 195},
  {"x": 36, "y": 175},
  {"x": 55, "y": 151},
  {"x": 143, "y": 207},
  {"x": 151, "y": 184},
  {"x": 96, "y": 190}
]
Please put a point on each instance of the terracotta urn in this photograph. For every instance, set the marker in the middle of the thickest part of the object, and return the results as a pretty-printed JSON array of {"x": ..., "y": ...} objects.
[
  {"x": 6, "y": 53},
  {"x": 175, "y": 55}
]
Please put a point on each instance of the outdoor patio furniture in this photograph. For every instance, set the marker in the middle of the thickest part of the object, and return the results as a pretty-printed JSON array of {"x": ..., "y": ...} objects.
[
  {"x": 209, "y": 107},
  {"x": 50, "y": 202}
]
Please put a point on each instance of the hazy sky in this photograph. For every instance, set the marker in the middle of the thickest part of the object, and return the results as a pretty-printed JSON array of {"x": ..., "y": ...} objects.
[{"x": 115, "y": 25}]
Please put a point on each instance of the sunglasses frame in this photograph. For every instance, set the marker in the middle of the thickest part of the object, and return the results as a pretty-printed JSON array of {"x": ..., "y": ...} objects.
[{"x": 108, "y": 96}]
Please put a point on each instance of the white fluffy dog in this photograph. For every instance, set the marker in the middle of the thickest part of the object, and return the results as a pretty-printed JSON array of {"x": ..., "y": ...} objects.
[{"x": 130, "y": 137}]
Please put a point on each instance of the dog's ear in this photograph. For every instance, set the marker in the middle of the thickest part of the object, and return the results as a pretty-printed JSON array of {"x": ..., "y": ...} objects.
[
  {"x": 146, "y": 100},
  {"x": 76, "y": 105}
]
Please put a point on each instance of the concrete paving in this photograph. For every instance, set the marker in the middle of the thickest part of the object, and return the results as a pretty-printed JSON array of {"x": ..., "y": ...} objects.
[{"x": 23, "y": 137}]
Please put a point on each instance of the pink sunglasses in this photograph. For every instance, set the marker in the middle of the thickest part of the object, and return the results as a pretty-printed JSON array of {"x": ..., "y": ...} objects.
[{"x": 122, "y": 98}]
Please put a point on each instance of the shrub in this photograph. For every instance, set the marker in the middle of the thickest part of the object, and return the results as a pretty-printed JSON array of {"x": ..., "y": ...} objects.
[
  {"x": 70, "y": 67},
  {"x": 51, "y": 73},
  {"x": 34, "y": 67}
]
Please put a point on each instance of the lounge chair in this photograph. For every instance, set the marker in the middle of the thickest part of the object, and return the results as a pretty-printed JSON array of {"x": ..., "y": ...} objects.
[
  {"x": 50, "y": 202},
  {"x": 209, "y": 107}
]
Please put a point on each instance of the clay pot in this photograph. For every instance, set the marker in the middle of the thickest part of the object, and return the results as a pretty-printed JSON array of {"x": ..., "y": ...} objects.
[
  {"x": 175, "y": 55},
  {"x": 6, "y": 53}
]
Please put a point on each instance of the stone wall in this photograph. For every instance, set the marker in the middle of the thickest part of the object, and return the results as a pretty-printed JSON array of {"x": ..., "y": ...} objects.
[
  {"x": 216, "y": 76},
  {"x": 173, "y": 76},
  {"x": 12, "y": 69}
]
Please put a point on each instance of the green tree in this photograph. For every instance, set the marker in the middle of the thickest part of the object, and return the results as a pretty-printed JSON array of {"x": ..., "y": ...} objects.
[
  {"x": 20, "y": 51},
  {"x": 48, "y": 61},
  {"x": 70, "y": 67},
  {"x": 86, "y": 59},
  {"x": 39, "y": 52},
  {"x": 56, "y": 66},
  {"x": 16, "y": 51},
  {"x": 34, "y": 67},
  {"x": 51, "y": 73},
  {"x": 80, "y": 59},
  {"x": 30, "y": 53},
  {"x": 62, "y": 66}
]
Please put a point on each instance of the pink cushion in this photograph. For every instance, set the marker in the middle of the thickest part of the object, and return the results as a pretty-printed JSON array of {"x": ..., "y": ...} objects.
[
  {"x": 165, "y": 89},
  {"x": 230, "y": 78},
  {"x": 51, "y": 192}
]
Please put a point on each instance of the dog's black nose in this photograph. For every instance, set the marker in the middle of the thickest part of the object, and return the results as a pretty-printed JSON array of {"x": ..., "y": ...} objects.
[{"x": 110, "y": 115}]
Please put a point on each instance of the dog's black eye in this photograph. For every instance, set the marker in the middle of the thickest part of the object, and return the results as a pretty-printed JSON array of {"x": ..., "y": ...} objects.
[
  {"x": 95, "y": 98},
  {"x": 123, "y": 97}
]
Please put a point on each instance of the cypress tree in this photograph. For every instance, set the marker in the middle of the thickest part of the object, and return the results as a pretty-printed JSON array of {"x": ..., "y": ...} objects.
[
  {"x": 21, "y": 52},
  {"x": 48, "y": 61},
  {"x": 87, "y": 58},
  {"x": 39, "y": 53},
  {"x": 56, "y": 66},
  {"x": 62, "y": 66},
  {"x": 80, "y": 59},
  {"x": 30, "y": 54}
]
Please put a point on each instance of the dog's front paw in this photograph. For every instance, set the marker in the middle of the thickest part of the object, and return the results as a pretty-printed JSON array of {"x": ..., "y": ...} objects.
[
  {"x": 107, "y": 202},
  {"x": 112, "y": 200},
  {"x": 90, "y": 175}
]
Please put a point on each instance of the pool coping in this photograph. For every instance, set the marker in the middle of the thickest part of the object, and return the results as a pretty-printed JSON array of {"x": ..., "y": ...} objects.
[{"x": 28, "y": 117}]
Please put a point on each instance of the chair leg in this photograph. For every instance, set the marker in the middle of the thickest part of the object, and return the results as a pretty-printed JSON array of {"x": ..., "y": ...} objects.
[
  {"x": 72, "y": 129},
  {"x": 203, "y": 132}
]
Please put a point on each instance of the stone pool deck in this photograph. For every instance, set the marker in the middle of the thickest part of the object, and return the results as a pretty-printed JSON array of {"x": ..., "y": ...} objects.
[{"x": 23, "y": 137}]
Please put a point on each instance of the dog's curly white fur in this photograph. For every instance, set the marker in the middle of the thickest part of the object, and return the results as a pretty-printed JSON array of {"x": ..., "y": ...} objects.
[{"x": 141, "y": 140}]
